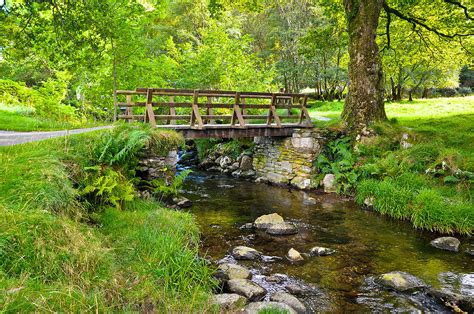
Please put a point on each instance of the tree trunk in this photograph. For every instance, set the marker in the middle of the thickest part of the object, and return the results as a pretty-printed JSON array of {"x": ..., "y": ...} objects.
[
  {"x": 364, "y": 102},
  {"x": 410, "y": 95},
  {"x": 425, "y": 93}
]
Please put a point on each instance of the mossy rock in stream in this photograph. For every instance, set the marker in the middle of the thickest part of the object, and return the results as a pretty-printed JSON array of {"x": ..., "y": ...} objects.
[{"x": 400, "y": 281}]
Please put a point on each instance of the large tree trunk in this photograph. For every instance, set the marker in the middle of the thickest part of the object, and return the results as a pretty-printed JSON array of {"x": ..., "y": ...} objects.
[{"x": 364, "y": 102}]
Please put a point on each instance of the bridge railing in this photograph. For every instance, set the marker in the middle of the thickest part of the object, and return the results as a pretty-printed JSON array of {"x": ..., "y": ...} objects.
[{"x": 200, "y": 109}]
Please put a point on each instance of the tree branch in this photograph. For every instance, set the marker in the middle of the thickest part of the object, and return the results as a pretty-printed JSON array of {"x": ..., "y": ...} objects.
[
  {"x": 459, "y": 4},
  {"x": 418, "y": 22}
]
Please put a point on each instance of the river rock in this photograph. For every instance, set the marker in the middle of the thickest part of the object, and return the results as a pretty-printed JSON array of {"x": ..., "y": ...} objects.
[
  {"x": 225, "y": 161},
  {"x": 470, "y": 250},
  {"x": 321, "y": 251},
  {"x": 234, "y": 166},
  {"x": 229, "y": 271},
  {"x": 182, "y": 202},
  {"x": 247, "y": 288},
  {"x": 245, "y": 252},
  {"x": 246, "y": 163},
  {"x": 266, "y": 221},
  {"x": 290, "y": 300},
  {"x": 329, "y": 183},
  {"x": 294, "y": 256},
  {"x": 276, "y": 278},
  {"x": 446, "y": 243},
  {"x": 284, "y": 228},
  {"x": 271, "y": 307},
  {"x": 229, "y": 301},
  {"x": 247, "y": 226},
  {"x": 400, "y": 281}
]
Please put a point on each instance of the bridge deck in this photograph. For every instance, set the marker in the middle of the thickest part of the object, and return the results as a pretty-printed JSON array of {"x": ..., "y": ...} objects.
[{"x": 225, "y": 114}]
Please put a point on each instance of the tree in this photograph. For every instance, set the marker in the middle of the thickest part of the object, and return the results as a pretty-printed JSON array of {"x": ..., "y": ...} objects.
[{"x": 448, "y": 19}]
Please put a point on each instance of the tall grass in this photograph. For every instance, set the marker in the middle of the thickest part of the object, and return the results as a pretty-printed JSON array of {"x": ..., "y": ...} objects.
[{"x": 56, "y": 257}]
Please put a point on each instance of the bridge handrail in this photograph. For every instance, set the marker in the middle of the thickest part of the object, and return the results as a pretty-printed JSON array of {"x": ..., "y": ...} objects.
[{"x": 200, "y": 121}]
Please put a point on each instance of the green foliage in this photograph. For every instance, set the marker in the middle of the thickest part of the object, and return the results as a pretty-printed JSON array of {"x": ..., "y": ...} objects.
[
  {"x": 205, "y": 146},
  {"x": 107, "y": 186},
  {"x": 339, "y": 159},
  {"x": 169, "y": 189}
]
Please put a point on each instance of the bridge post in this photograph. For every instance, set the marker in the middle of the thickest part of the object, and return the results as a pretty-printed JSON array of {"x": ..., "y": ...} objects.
[
  {"x": 195, "y": 115},
  {"x": 304, "y": 114},
  {"x": 237, "y": 113},
  {"x": 172, "y": 111},
  {"x": 149, "y": 114},
  {"x": 129, "y": 110},
  {"x": 272, "y": 114}
]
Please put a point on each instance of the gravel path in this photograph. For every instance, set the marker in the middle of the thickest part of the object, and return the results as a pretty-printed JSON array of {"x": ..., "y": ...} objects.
[{"x": 8, "y": 138}]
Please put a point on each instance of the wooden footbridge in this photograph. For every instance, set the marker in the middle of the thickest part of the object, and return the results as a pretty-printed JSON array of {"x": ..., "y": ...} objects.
[{"x": 216, "y": 113}]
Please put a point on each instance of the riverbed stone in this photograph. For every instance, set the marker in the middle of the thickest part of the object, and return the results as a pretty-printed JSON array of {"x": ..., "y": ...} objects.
[
  {"x": 446, "y": 243},
  {"x": 229, "y": 271},
  {"x": 294, "y": 256},
  {"x": 321, "y": 251},
  {"x": 266, "y": 221},
  {"x": 277, "y": 307},
  {"x": 329, "y": 183},
  {"x": 400, "y": 281},
  {"x": 229, "y": 301},
  {"x": 245, "y": 252},
  {"x": 284, "y": 228},
  {"x": 470, "y": 250},
  {"x": 247, "y": 226},
  {"x": 246, "y": 163},
  {"x": 182, "y": 202},
  {"x": 290, "y": 300},
  {"x": 246, "y": 288}
]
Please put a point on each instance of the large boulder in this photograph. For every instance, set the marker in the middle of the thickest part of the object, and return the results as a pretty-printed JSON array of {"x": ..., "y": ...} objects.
[
  {"x": 266, "y": 221},
  {"x": 246, "y": 163},
  {"x": 229, "y": 301},
  {"x": 268, "y": 307},
  {"x": 329, "y": 183},
  {"x": 245, "y": 252},
  {"x": 283, "y": 228},
  {"x": 321, "y": 251},
  {"x": 446, "y": 243},
  {"x": 225, "y": 162},
  {"x": 247, "y": 288},
  {"x": 229, "y": 271},
  {"x": 290, "y": 300},
  {"x": 400, "y": 281},
  {"x": 294, "y": 256}
]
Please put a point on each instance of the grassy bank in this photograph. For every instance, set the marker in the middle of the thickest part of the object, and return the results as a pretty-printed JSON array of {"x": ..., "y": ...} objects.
[
  {"x": 59, "y": 251},
  {"x": 428, "y": 183},
  {"x": 17, "y": 120}
]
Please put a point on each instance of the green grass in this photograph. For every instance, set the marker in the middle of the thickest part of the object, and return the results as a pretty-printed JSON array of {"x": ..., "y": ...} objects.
[
  {"x": 23, "y": 122},
  {"x": 442, "y": 131},
  {"x": 56, "y": 256}
]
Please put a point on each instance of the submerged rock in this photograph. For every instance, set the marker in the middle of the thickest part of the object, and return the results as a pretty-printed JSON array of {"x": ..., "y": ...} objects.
[
  {"x": 271, "y": 307},
  {"x": 245, "y": 252},
  {"x": 182, "y": 202},
  {"x": 295, "y": 289},
  {"x": 446, "y": 243},
  {"x": 277, "y": 278},
  {"x": 247, "y": 226},
  {"x": 470, "y": 250},
  {"x": 329, "y": 183},
  {"x": 400, "y": 281},
  {"x": 247, "y": 288},
  {"x": 266, "y": 221},
  {"x": 321, "y": 251},
  {"x": 229, "y": 301},
  {"x": 229, "y": 271},
  {"x": 284, "y": 228},
  {"x": 290, "y": 300},
  {"x": 294, "y": 256}
]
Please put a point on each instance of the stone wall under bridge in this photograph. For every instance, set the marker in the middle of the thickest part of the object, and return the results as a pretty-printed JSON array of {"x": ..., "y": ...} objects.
[{"x": 288, "y": 160}]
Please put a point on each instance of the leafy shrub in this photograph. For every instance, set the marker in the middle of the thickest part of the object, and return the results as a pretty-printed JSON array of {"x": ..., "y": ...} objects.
[
  {"x": 205, "y": 146},
  {"x": 166, "y": 190},
  {"x": 107, "y": 186},
  {"x": 339, "y": 159},
  {"x": 110, "y": 173}
]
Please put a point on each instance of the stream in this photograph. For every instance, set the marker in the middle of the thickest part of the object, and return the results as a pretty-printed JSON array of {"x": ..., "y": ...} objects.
[{"x": 366, "y": 243}]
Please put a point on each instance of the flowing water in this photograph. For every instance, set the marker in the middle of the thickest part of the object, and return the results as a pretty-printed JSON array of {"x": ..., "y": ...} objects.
[{"x": 367, "y": 245}]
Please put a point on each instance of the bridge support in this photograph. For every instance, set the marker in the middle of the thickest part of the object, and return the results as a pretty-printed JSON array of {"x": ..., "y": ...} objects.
[{"x": 288, "y": 160}]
